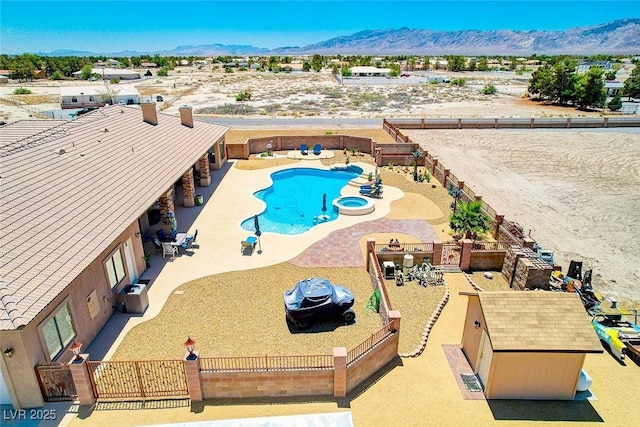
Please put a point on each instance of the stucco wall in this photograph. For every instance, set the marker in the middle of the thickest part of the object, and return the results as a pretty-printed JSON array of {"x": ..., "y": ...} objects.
[
  {"x": 367, "y": 365},
  {"x": 547, "y": 376},
  {"x": 30, "y": 349},
  {"x": 310, "y": 382},
  {"x": 487, "y": 260},
  {"x": 472, "y": 337}
]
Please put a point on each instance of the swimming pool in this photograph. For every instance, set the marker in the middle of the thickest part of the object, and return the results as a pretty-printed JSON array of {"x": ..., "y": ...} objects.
[{"x": 294, "y": 200}]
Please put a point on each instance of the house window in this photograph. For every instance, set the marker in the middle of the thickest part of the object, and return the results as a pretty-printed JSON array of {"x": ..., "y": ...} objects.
[
  {"x": 115, "y": 269},
  {"x": 58, "y": 332},
  {"x": 91, "y": 99},
  {"x": 74, "y": 99}
]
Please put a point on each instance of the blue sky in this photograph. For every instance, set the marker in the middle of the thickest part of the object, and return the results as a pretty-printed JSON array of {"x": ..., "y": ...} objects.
[{"x": 149, "y": 25}]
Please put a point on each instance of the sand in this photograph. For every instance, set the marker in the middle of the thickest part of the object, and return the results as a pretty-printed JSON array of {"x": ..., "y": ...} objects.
[{"x": 576, "y": 190}]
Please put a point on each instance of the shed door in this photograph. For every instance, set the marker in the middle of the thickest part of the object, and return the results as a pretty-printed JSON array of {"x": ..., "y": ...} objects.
[{"x": 485, "y": 359}]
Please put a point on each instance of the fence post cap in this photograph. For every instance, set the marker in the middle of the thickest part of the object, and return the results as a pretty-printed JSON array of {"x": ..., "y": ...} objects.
[{"x": 339, "y": 352}]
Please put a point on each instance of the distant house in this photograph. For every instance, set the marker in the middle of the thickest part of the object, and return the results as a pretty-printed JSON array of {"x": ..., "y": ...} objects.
[
  {"x": 149, "y": 65},
  {"x": 368, "y": 71},
  {"x": 528, "y": 345},
  {"x": 613, "y": 87},
  {"x": 291, "y": 67},
  {"x": 72, "y": 226},
  {"x": 98, "y": 96},
  {"x": 584, "y": 66},
  {"x": 111, "y": 73}
]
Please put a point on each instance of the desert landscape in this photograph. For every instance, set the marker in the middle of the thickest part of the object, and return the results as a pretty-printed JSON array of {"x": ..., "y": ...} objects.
[{"x": 576, "y": 190}]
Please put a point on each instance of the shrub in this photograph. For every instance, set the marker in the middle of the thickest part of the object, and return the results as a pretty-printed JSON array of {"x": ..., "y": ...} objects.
[
  {"x": 163, "y": 72},
  {"x": 245, "y": 95},
  {"x": 489, "y": 90},
  {"x": 22, "y": 91},
  {"x": 459, "y": 82},
  {"x": 114, "y": 80},
  {"x": 148, "y": 73},
  {"x": 57, "y": 76}
]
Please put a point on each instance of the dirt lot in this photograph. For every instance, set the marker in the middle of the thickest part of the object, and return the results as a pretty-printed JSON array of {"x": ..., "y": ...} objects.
[{"x": 576, "y": 190}]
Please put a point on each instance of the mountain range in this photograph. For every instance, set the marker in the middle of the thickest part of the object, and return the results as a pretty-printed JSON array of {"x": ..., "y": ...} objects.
[{"x": 616, "y": 37}]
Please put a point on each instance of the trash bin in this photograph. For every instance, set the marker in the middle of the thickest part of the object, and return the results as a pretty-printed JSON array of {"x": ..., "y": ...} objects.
[
  {"x": 407, "y": 263},
  {"x": 199, "y": 200}
]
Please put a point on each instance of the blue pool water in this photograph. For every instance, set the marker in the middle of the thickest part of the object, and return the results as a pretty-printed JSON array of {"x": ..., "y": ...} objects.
[
  {"x": 352, "y": 202},
  {"x": 294, "y": 201}
]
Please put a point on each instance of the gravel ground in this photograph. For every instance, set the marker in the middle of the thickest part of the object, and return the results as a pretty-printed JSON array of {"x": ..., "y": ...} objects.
[{"x": 241, "y": 313}]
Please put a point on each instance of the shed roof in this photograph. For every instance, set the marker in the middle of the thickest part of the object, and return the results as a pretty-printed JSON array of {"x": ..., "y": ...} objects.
[
  {"x": 538, "y": 321},
  {"x": 60, "y": 209}
]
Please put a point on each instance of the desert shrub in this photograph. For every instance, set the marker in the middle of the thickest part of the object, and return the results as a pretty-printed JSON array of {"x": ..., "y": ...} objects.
[
  {"x": 22, "y": 91},
  {"x": 228, "y": 70},
  {"x": 163, "y": 72},
  {"x": 334, "y": 94},
  {"x": 114, "y": 81},
  {"x": 489, "y": 90},
  {"x": 228, "y": 109},
  {"x": 57, "y": 76},
  {"x": 245, "y": 95},
  {"x": 459, "y": 82}
]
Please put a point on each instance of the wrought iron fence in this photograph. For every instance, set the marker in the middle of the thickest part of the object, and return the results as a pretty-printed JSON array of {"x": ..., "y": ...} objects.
[
  {"x": 403, "y": 247},
  {"x": 368, "y": 344},
  {"x": 265, "y": 363},
  {"x": 138, "y": 379},
  {"x": 490, "y": 246}
]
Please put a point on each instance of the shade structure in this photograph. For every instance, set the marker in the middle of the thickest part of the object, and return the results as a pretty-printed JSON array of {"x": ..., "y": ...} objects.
[{"x": 256, "y": 224}]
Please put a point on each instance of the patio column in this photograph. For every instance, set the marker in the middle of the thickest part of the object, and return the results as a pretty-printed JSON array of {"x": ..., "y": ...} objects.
[
  {"x": 205, "y": 173},
  {"x": 189, "y": 188},
  {"x": 82, "y": 379},
  {"x": 497, "y": 221},
  {"x": 371, "y": 244},
  {"x": 339, "y": 371},
  {"x": 166, "y": 206}
]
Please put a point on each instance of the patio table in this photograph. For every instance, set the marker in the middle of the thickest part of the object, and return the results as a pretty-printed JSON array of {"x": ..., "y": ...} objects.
[{"x": 180, "y": 237}]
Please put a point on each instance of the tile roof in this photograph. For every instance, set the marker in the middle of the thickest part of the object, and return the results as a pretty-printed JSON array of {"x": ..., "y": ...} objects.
[
  {"x": 60, "y": 211},
  {"x": 538, "y": 321}
]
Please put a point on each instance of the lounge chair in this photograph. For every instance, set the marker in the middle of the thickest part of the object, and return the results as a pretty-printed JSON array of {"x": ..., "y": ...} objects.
[
  {"x": 304, "y": 150},
  {"x": 189, "y": 240},
  {"x": 316, "y": 149},
  {"x": 248, "y": 245}
]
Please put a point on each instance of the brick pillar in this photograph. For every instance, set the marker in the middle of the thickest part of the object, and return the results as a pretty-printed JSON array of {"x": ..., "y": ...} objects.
[
  {"x": 446, "y": 175},
  {"x": 371, "y": 244},
  {"x": 394, "y": 319},
  {"x": 606, "y": 122},
  {"x": 461, "y": 185},
  {"x": 568, "y": 122},
  {"x": 533, "y": 122},
  {"x": 465, "y": 255},
  {"x": 528, "y": 242},
  {"x": 205, "y": 173},
  {"x": 433, "y": 167},
  {"x": 459, "y": 123},
  {"x": 497, "y": 221},
  {"x": 166, "y": 206},
  {"x": 437, "y": 252},
  {"x": 192, "y": 371},
  {"x": 339, "y": 371},
  {"x": 478, "y": 197},
  {"x": 189, "y": 188},
  {"x": 495, "y": 123},
  {"x": 82, "y": 380}
]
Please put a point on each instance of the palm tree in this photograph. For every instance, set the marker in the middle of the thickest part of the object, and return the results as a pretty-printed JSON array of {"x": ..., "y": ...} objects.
[
  {"x": 468, "y": 219},
  {"x": 416, "y": 155}
]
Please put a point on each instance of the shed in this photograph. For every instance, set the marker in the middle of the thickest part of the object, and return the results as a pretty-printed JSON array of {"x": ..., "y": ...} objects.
[{"x": 528, "y": 345}]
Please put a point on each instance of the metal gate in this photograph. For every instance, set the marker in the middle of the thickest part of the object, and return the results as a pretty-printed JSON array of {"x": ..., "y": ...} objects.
[
  {"x": 56, "y": 382},
  {"x": 451, "y": 254},
  {"x": 138, "y": 379}
]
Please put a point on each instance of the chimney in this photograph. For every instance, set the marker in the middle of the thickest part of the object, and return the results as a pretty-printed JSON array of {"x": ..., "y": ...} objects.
[
  {"x": 149, "y": 113},
  {"x": 186, "y": 116}
]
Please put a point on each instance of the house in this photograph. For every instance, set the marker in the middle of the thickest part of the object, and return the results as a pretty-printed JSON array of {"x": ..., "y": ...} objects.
[
  {"x": 291, "y": 67},
  {"x": 98, "y": 96},
  {"x": 110, "y": 73},
  {"x": 368, "y": 71},
  {"x": 528, "y": 345},
  {"x": 148, "y": 65},
  {"x": 584, "y": 66},
  {"x": 613, "y": 87},
  {"x": 75, "y": 197}
]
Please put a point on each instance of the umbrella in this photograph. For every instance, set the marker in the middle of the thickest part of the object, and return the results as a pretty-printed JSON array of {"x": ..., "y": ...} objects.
[
  {"x": 324, "y": 206},
  {"x": 256, "y": 224}
]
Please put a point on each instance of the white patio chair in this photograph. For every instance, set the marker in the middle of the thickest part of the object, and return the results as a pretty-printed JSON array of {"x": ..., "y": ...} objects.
[{"x": 169, "y": 249}]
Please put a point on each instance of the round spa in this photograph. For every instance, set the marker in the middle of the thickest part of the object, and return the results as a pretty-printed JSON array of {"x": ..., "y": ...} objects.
[{"x": 353, "y": 205}]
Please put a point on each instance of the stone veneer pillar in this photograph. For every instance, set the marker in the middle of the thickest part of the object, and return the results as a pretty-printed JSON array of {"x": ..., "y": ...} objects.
[
  {"x": 166, "y": 206},
  {"x": 205, "y": 173},
  {"x": 394, "y": 319},
  {"x": 528, "y": 242},
  {"x": 339, "y": 371},
  {"x": 497, "y": 221},
  {"x": 82, "y": 379},
  {"x": 192, "y": 372},
  {"x": 189, "y": 188},
  {"x": 437, "y": 252},
  {"x": 465, "y": 255}
]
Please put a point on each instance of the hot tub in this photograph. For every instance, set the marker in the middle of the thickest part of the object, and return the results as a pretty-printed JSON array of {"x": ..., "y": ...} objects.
[{"x": 353, "y": 205}]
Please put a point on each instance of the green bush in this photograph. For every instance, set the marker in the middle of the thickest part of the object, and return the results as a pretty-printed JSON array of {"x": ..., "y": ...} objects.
[
  {"x": 163, "y": 72},
  {"x": 489, "y": 90},
  {"x": 459, "y": 82},
  {"x": 245, "y": 95},
  {"x": 22, "y": 91},
  {"x": 114, "y": 81},
  {"x": 57, "y": 76}
]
